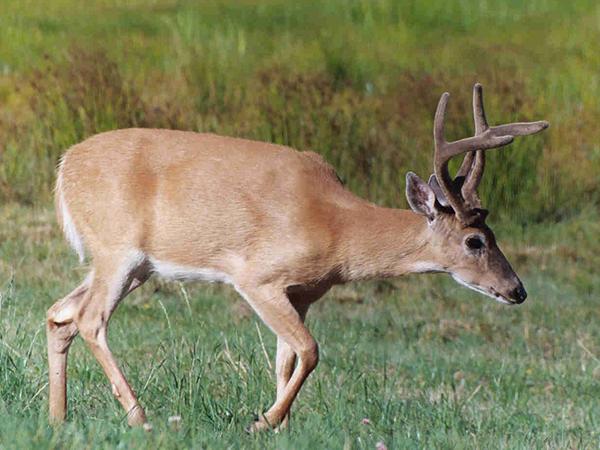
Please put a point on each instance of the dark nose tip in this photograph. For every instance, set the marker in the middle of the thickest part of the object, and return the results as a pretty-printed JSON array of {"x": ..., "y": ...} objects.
[{"x": 519, "y": 294}]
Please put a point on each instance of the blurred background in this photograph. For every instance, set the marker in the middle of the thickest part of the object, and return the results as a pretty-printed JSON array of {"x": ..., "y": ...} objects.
[{"x": 357, "y": 81}]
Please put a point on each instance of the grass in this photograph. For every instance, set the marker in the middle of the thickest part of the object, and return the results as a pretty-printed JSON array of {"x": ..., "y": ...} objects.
[{"x": 428, "y": 363}]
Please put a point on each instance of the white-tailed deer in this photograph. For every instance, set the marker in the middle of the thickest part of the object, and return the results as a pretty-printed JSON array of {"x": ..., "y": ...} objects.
[{"x": 275, "y": 223}]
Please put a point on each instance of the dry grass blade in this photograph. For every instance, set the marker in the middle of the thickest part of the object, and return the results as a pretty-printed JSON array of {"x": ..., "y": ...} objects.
[{"x": 264, "y": 350}]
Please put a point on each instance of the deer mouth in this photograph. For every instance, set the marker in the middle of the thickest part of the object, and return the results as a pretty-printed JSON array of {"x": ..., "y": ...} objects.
[
  {"x": 487, "y": 291},
  {"x": 501, "y": 298}
]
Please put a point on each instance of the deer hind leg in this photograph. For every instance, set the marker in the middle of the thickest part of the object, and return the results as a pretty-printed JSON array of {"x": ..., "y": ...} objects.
[
  {"x": 60, "y": 331},
  {"x": 278, "y": 313},
  {"x": 109, "y": 286}
]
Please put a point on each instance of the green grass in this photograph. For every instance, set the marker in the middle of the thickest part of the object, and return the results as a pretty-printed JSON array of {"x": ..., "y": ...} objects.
[{"x": 428, "y": 363}]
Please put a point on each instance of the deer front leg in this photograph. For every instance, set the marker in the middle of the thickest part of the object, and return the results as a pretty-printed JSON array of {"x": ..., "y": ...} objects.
[
  {"x": 276, "y": 311},
  {"x": 285, "y": 362}
]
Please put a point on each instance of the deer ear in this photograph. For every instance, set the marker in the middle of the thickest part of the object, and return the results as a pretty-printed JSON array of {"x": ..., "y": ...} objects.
[{"x": 420, "y": 196}]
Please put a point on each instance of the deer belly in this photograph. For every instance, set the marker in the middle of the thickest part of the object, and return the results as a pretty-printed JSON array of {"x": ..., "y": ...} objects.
[{"x": 173, "y": 271}]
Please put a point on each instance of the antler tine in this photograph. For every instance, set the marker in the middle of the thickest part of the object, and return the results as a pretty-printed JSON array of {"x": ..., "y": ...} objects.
[
  {"x": 465, "y": 166},
  {"x": 444, "y": 151},
  {"x": 440, "y": 158},
  {"x": 474, "y": 163},
  {"x": 480, "y": 126},
  {"x": 479, "y": 118},
  {"x": 438, "y": 121},
  {"x": 520, "y": 128}
]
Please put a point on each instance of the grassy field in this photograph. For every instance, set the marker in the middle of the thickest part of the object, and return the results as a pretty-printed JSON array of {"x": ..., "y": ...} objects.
[
  {"x": 430, "y": 364},
  {"x": 427, "y": 362}
]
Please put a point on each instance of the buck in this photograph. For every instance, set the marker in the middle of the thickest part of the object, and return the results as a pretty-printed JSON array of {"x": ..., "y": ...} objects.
[{"x": 275, "y": 223}]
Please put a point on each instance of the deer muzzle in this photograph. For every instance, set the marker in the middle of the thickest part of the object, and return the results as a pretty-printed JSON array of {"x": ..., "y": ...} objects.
[{"x": 518, "y": 294}]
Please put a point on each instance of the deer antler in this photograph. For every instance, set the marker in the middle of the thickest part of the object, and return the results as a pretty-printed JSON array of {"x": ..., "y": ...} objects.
[
  {"x": 473, "y": 165},
  {"x": 462, "y": 197}
]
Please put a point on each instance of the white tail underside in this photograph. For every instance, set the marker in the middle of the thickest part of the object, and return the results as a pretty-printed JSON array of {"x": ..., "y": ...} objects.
[{"x": 73, "y": 237}]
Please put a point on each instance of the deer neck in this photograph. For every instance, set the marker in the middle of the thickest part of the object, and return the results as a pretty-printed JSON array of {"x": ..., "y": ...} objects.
[{"x": 384, "y": 243}]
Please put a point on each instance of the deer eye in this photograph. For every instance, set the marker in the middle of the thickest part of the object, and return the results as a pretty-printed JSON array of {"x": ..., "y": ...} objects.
[{"x": 474, "y": 242}]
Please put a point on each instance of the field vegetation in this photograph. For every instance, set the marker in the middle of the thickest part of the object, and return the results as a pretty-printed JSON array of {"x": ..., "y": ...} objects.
[{"x": 428, "y": 363}]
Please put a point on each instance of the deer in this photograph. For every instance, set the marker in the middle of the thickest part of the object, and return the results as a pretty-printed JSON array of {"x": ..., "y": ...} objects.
[{"x": 275, "y": 223}]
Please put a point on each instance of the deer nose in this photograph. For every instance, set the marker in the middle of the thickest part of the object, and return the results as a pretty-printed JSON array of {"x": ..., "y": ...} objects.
[{"x": 519, "y": 294}]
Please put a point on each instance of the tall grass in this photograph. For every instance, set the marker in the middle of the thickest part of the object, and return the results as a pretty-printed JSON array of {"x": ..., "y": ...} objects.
[{"x": 356, "y": 81}]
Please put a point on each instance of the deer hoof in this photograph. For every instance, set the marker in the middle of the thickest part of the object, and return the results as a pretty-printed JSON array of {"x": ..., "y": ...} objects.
[
  {"x": 258, "y": 425},
  {"x": 136, "y": 417}
]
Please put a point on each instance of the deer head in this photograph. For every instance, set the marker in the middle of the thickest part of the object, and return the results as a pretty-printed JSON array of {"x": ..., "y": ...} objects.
[{"x": 460, "y": 239}]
